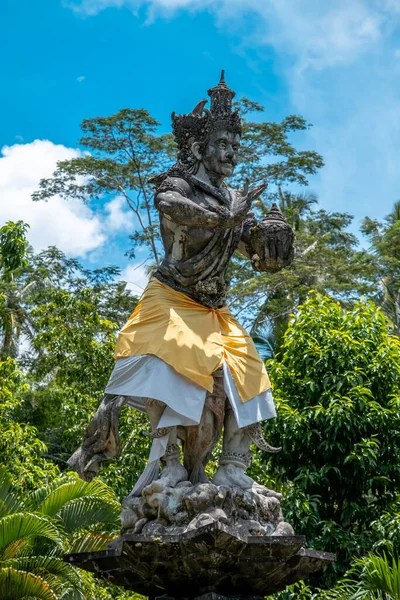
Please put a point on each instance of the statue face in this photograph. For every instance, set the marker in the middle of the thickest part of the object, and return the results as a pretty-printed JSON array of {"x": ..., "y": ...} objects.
[{"x": 221, "y": 154}]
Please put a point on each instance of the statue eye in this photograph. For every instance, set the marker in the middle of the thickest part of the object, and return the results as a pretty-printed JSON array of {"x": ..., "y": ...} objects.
[{"x": 222, "y": 144}]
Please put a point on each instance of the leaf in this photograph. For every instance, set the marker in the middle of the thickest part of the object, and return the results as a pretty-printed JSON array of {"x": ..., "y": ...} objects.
[
  {"x": 17, "y": 585},
  {"x": 23, "y": 526},
  {"x": 91, "y": 542},
  {"x": 59, "y": 497},
  {"x": 9, "y": 501},
  {"x": 49, "y": 568},
  {"x": 82, "y": 512}
]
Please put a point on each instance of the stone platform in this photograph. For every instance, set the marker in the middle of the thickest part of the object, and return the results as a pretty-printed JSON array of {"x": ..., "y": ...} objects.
[{"x": 212, "y": 561}]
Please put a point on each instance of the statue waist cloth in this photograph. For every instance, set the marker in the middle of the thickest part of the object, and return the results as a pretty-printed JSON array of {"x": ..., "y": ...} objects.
[{"x": 193, "y": 339}]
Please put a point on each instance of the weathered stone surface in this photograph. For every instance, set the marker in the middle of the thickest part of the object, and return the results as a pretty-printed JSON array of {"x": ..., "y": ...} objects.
[
  {"x": 211, "y": 559},
  {"x": 186, "y": 507},
  {"x": 272, "y": 240}
]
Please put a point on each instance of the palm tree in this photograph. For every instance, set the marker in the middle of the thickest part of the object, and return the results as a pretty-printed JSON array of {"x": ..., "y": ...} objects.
[
  {"x": 373, "y": 578},
  {"x": 67, "y": 515},
  {"x": 385, "y": 246},
  {"x": 14, "y": 318},
  {"x": 296, "y": 206}
]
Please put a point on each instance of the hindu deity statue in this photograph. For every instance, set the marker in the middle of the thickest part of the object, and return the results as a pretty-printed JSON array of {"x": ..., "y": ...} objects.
[{"x": 182, "y": 357}]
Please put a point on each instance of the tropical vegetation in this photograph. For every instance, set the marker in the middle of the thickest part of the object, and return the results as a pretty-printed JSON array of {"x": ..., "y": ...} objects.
[{"x": 328, "y": 327}]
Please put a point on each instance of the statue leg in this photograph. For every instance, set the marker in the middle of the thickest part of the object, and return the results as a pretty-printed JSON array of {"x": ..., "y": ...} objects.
[
  {"x": 236, "y": 455},
  {"x": 173, "y": 471},
  {"x": 201, "y": 439}
]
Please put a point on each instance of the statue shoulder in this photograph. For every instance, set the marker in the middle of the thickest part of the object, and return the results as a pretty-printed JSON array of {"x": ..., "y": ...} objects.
[{"x": 175, "y": 184}]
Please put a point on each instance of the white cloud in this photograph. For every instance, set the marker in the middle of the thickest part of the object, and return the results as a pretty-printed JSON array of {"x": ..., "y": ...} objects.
[
  {"x": 118, "y": 217},
  {"x": 136, "y": 277},
  {"x": 93, "y": 7},
  {"x": 340, "y": 63},
  {"x": 68, "y": 224}
]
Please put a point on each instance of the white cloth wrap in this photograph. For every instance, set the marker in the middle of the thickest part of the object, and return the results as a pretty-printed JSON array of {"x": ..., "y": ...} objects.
[{"x": 140, "y": 377}]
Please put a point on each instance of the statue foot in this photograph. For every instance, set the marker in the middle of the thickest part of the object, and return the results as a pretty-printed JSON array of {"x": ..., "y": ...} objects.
[
  {"x": 231, "y": 475},
  {"x": 170, "y": 476}
]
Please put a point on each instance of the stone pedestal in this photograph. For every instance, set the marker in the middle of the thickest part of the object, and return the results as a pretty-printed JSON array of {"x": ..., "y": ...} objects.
[{"x": 211, "y": 562}]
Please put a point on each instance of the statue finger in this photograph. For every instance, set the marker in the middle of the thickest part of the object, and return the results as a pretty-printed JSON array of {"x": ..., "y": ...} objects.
[
  {"x": 245, "y": 188},
  {"x": 257, "y": 191}
]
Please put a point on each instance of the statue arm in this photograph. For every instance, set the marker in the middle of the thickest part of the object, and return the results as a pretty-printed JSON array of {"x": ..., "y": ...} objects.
[
  {"x": 174, "y": 200},
  {"x": 184, "y": 211}
]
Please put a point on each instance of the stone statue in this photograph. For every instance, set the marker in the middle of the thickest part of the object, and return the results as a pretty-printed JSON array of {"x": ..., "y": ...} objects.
[{"x": 182, "y": 357}]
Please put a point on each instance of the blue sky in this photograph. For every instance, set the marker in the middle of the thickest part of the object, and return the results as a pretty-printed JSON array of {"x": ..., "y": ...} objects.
[{"x": 337, "y": 63}]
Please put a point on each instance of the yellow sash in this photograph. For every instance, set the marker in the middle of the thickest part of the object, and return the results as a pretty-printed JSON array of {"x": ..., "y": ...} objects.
[{"x": 193, "y": 339}]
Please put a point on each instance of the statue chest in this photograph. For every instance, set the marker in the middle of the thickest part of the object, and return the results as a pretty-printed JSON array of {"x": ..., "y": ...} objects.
[{"x": 182, "y": 242}]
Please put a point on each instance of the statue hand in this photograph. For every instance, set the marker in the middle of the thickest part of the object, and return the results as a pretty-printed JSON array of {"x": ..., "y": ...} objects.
[
  {"x": 239, "y": 209},
  {"x": 245, "y": 198},
  {"x": 249, "y": 196}
]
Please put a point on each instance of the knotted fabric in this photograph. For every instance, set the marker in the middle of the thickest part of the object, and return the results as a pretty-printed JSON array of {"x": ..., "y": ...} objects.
[{"x": 193, "y": 339}]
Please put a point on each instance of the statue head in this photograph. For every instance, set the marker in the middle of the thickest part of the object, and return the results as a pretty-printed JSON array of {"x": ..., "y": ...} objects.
[
  {"x": 219, "y": 154},
  {"x": 210, "y": 137}
]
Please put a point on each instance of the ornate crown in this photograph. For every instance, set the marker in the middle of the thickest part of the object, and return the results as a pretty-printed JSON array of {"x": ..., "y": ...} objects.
[{"x": 198, "y": 124}]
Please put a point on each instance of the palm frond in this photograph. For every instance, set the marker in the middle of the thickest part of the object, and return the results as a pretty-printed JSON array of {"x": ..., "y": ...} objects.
[
  {"x": 24, "y": 526},
  {"x": 38, "y": 496},
  {"x": 72, "y": 595},
  {"x": 83, "y": 512},
  {"x": 9, "y": 501},
  {"x": 373, "y": 577},
  {"x": 61, "y": 495},
  {"x": 383, "y": 575},
  {"x": 265, "y": 346},
  {"x": 394, "y": 215},
  {"x": 53, "y": 570},
  {"x": 91, "y": 542},
  {"x": 17, "y": 585}
]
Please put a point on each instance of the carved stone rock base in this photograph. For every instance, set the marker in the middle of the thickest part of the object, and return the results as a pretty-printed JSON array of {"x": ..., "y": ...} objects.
[
  {"x": 210, "y": 559},
  {"x": 186, "y": 507}
]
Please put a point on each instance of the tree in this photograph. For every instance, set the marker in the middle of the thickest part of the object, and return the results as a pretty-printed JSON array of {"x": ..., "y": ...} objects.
[
  {"x": 21, "y": 450},
  {"x": 326, "y": 260},
  {"x": 385, "y": 246},
  {"x": 337, "y": 389},
  {"x": 76, "y": 319},
  {"x": 125, "y": 151},
  {"x": 14, "y": 319}
]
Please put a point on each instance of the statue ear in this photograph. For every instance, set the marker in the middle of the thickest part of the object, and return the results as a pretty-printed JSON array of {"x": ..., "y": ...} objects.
[{"x": 195, "y": 148}]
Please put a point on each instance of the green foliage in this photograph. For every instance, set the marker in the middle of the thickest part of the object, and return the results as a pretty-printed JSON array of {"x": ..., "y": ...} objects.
[
  {"x": 14, "y": 319},
  {"x": 373, "y": 577},
  {"x": 21, "y": 449},
  {"x": 337, "y": 388},
  {"x": 385, "y": 246},
  {"x": 74, "y": 358},
  {"x": 268, "y": 139},
  {"x": 16, "y": 585},
  {"x": 326, "y": 260},
  {"x": 45, "y": 409},
  {"x": 298, "y": 591},
  {"x": 13, "y": 246},
  {"x": 36, "y": 529},
  {"x": 125, "y": 151}
]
